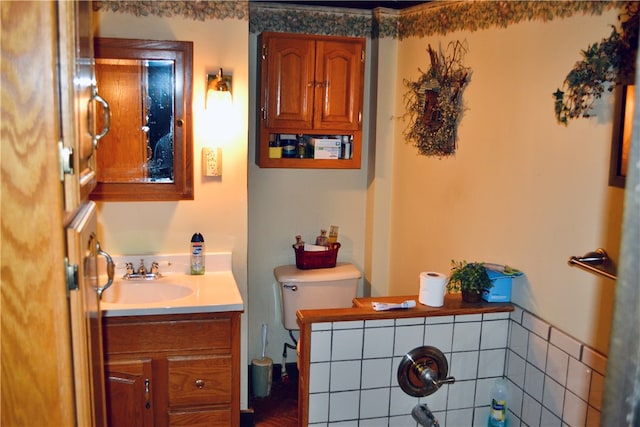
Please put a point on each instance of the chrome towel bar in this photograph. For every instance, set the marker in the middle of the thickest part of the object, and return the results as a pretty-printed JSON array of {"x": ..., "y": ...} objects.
[{"x": 590, "y": 260}]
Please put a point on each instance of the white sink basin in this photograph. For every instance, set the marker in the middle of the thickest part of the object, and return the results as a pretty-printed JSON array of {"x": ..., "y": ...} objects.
[
  {"x": 133, "y": 292},
  {"x": 176, "y": 292}
]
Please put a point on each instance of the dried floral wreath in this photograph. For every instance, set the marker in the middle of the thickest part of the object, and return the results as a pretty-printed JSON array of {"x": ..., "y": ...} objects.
[
  {"x": 603, "y": 65},
  {"x": 434, "y": 102}
]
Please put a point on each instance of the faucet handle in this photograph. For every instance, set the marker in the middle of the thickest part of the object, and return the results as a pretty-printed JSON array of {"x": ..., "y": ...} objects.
[
  {"x": 448, "y": 380},
  {"x": 155, "y": 267},
  {"x": 129, "y": 267}
]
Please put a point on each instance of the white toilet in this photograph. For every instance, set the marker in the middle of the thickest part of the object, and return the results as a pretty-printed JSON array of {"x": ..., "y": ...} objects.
[{"x": 318, "y": 288}]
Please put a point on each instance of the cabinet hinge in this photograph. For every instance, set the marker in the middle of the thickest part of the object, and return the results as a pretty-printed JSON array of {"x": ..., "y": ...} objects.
[
  {"x": 362, "y": 56},
  {"x": 265, "y": 51},
  {"x": 71, "y": 275},
  {"x": 264, "y": 113},
  {"x": 65, "y": 158}
]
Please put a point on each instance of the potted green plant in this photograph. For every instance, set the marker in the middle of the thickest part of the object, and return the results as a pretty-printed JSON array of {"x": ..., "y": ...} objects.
[{"x": 470, "y": 278}]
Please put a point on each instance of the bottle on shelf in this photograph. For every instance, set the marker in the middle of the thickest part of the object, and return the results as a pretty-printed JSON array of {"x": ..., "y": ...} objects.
[
  {"x": 302, "y": 147},
  {"x": 299, "y": 242},
  {"x": 347, "y": 145},
  {"x": 322, "y": 239},
  {"x": 333, "y": 233},
  {"x": 289, "y": 145},
  {"x": 275, "y": 150}
]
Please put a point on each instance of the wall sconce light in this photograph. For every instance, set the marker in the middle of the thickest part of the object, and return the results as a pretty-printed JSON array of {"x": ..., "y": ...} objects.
[
  {"x": 219, "y": 106},
  {"x": 218, "y": 90}
]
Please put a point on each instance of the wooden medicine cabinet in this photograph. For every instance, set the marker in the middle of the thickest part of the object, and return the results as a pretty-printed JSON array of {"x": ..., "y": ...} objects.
[
  {"x": 311, "y": 91},
  {"x": 147, "y": 154}
]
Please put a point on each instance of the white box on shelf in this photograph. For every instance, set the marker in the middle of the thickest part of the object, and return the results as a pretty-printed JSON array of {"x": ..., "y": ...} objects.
[{"x": 326, "y": 148}]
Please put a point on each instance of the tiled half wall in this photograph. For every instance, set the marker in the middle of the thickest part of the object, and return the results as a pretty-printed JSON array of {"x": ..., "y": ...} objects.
[{"x": 554, "y": 380}]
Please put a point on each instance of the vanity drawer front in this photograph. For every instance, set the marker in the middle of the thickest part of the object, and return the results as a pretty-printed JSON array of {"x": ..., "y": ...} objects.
[
  {"x": 199, "y": 380},
  {"x": 210, "y": 418},
  {"x": 167, "y": 336}
]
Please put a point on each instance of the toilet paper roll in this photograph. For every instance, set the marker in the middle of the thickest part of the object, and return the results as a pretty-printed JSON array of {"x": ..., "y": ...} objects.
[{"x": 432, "y": 288}]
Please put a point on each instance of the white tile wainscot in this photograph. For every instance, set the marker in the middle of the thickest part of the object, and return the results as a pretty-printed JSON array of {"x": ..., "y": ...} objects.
[{"x": 349, "y": 360}]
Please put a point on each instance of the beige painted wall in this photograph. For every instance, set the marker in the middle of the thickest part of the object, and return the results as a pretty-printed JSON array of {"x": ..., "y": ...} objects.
[
  {"x": 287, "y": 202},
  {"x": 521, "y": 189},
  {"x": 379, "y": 185},
  {"x": 219, "y": 210}
]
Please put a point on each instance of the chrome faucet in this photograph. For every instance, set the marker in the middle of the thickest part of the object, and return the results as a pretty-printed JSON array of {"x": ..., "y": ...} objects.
[
  {"x": 142, "y": 273},
  {"x": 142, "y": 270},
  {"x": 423, "y": 415}
]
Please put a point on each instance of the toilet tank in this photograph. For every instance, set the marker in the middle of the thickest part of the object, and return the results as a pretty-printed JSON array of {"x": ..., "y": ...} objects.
[{"x": 318, "y": 288}]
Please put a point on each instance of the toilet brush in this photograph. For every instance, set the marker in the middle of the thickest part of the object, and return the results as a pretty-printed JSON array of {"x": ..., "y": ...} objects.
[
  {"x": 261, "y": 370},
  {"x": 284, "y": 376}
]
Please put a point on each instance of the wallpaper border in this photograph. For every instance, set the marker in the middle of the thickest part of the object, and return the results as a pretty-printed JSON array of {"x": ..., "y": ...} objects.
[
  {"x": 436, "y": 18},
  {"x": 196, "y": 10}
]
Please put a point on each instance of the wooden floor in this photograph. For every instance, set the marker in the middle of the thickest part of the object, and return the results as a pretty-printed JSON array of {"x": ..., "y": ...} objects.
[{"x": 280, "y": 408}]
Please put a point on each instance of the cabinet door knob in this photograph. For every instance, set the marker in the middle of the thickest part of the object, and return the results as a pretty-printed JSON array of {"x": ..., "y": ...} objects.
[{"x": 200, "y": 383}]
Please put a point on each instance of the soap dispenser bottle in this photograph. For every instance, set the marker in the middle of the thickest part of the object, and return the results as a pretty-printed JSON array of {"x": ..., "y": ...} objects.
[{"x": 197, "y": 254}]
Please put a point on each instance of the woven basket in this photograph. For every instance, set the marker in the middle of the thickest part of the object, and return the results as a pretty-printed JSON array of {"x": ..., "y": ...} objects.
[{"x": 307, "y": 260}]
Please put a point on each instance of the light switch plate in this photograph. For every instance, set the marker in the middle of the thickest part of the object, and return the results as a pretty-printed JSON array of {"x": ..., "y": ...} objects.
[{"x": 211, "y": 161}]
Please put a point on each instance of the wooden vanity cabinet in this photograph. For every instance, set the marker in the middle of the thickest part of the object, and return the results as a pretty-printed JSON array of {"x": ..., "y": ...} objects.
[
  {"x": 173, "y": 370},
  {"x": 310, "y": 85},
  {"x": 128, "y": 399}
]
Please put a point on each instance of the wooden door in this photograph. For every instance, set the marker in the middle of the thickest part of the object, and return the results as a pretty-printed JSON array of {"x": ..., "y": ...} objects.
[
  {"x": 85, "y": 319},
  {"x": 77, "y": 103},
  {"x": 129, "y": 390},
  {"x": 288, "y": 77},
  {"x": 339, "y": 84},
  {"x": 36, "y": 371}
]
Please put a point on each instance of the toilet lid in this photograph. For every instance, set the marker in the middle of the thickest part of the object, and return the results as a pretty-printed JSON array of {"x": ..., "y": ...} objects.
[{"x": 292, "y": 274}]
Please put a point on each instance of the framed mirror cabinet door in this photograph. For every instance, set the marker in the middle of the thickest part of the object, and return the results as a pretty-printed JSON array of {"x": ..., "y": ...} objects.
[{"x": 147, "y": 154}]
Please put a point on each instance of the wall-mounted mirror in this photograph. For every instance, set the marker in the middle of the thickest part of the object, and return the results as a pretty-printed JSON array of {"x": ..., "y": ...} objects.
[{"x": 147, "y": 154}]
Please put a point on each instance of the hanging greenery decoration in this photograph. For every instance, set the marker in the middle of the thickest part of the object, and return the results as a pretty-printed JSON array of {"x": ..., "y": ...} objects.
[
  {"x": 603, "y": 65},
  {"x": 434, "y": 102}
]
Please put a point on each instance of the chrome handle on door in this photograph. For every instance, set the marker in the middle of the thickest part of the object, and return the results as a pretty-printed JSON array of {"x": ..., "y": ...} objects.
[
  {"x": 110, "y": 270},
  {"x": 106, "y": 116},
  {"x": 147, "y": 393}
]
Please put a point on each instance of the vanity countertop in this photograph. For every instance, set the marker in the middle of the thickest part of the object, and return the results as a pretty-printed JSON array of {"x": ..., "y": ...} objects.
[{"x": 214, "y": 291}]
